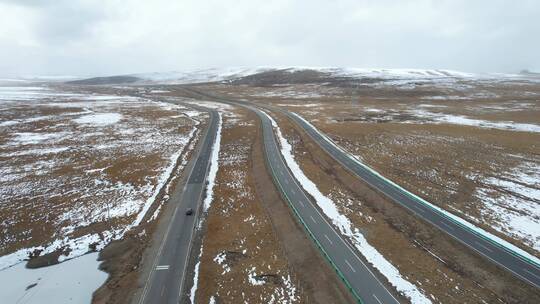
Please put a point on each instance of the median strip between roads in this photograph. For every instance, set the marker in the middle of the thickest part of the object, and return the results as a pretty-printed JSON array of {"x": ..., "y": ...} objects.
[{"x": 374, "y": 257}]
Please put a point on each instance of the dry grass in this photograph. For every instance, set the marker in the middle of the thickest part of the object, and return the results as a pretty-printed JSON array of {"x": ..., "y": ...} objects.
[
  {"x": 64, "y": 179},
  {"x": 242, "y": 260}
]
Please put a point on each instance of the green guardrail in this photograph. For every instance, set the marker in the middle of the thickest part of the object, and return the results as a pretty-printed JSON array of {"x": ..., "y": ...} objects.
[
  {"x": 312, "y": 236},
  {"x": 482, "y": 236}
]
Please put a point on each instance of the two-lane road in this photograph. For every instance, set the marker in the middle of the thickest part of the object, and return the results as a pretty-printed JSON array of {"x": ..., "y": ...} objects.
[
  {"x": 166, "y": 279},
  {"x": 521, "y": 267}
]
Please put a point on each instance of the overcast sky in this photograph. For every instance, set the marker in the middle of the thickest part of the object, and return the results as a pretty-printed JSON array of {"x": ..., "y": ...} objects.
[{"x": 103, "y": 37}]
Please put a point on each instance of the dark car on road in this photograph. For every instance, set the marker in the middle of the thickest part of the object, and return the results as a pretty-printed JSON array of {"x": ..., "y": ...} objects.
[{"x": 189, "y": 211}]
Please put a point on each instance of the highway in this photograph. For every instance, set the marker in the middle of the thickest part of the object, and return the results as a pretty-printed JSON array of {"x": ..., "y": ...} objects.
[
  {"x": 166, "y": 279},
  {"x": 360, "y": 279},
  {"x": 520, "y": 266},
  {"x": 357, "y": 275}
]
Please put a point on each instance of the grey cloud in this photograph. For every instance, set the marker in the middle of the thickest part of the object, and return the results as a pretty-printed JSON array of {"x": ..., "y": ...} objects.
[{"x": 114, "y": 37}]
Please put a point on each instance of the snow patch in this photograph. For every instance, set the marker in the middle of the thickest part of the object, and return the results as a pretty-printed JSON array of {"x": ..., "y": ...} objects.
[
  {"x": 122, "y": 199},
  {"x": 222, "y": 107},
  {"x": 162, "y": 180},
  {"x": 193, "y": 289},
  {"x": 214, "y": 166},
  {"x": 512, "y": 203},
  {"x": 8, "y": 123},
  {"x": 252, "y": 278},
  {"x": 70, "y": 282},
  {"x": 27, "y": 138},
  {"x": 463, "y": 120},
  {"x": 100, "y": 119},
  {"x": 200, "y": 75},
  {"x": 221, "y": 259}
]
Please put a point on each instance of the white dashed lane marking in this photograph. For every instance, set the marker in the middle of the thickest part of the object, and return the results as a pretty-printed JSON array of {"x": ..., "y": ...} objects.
[
  {"x": 536, "y": 276},
  {"x": 350, "y": 266},
  {"x": 484, "y": 247},
  {"x": 326, "y": 236},
  {"x": 447, "y": 226}
]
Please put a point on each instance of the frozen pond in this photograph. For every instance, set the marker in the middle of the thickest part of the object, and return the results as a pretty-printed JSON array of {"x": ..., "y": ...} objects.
[{"x": 72, "y": 281}]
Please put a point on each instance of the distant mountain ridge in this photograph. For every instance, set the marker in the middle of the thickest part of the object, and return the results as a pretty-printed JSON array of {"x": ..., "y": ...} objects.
[
  {"x": 291, "y": 75},
  {"x": 106, "y": 80}
]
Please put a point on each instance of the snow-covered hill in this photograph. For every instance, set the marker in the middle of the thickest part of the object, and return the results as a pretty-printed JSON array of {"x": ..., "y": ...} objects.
[
  {"x": 228, "y": 74},
  {"x": 200, "y": 75},
  {"x": 299, "y": 74}
]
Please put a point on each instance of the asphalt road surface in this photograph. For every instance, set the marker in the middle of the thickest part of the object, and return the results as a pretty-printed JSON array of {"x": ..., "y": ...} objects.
[
  {"x": 166, "y": 279},
  {"x": 360, "y": 276},
  {"x": 526, "y": 270}
]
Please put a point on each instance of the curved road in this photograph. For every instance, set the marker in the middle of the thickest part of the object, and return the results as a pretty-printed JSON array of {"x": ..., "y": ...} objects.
[
  {"x": 518, "y": 265},
  {"x": 357, "y": 275},
  {"x": 166, "y": 279},
  {"x": 361, "y": 280}
]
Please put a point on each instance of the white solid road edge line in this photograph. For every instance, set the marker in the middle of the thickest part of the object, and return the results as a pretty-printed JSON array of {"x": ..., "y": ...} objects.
[{"x": 379, "y": 301}]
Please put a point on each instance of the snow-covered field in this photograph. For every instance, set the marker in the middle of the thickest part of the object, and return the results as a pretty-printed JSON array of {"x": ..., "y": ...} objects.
[
  {"x": 467, "y": 121},
  {"x": 73, "y": 281},
  {"x": 431, "y": 114},
  {"x": 78, "y": 170},
  {"x": 200, "y": 75},
  {"x": 511, "y": 202},
  {"x": 421, "y": 114},
  {"x": 290, "y": 94},
  {"x": 399, "y": 78}
]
